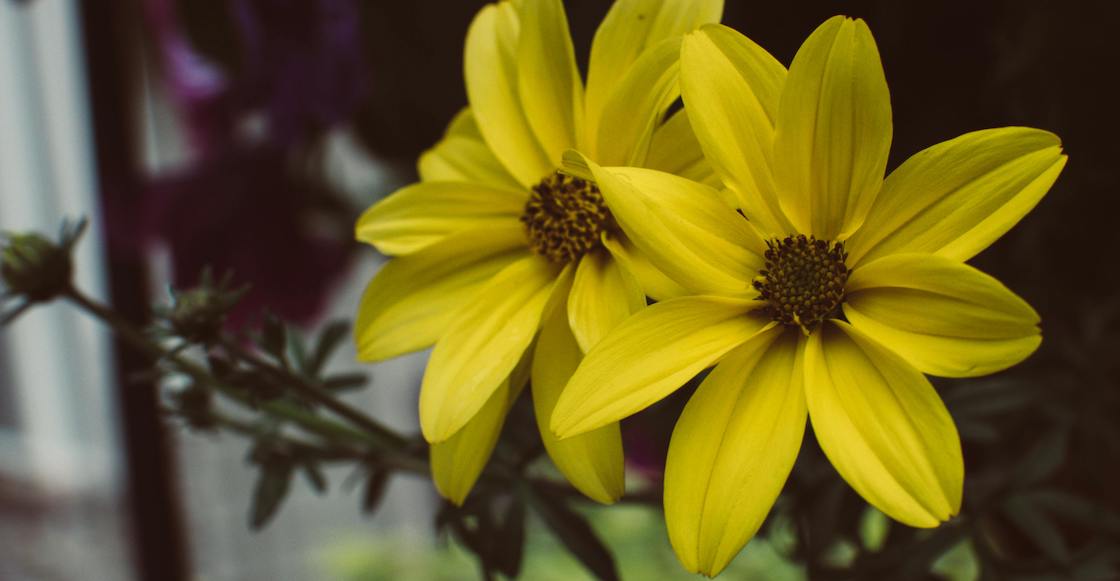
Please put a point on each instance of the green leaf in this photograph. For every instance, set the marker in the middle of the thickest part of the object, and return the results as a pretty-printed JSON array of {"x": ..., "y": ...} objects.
[
  {"x": 315, "y": 477},
  {"x": 272, "y": 487},
  {"x": 1045, "y": 457},
  {"x": 511, "y": 540},
  {"x": 873, "y": 526},
  {"x": 574, "y": 531},
  {"x": 1034, "y": 525},
  {"x": 958, "y": 564},
  {"x": 345, "y": 381},
  {"x": 298, "y": 349},
  {"x": 331, "y": 337},
  {"x": 375, "y": 490},
  {"x": 1075, "y": 509},
  {"x": 274, "y": 337},
  {"x": 987, "y": 398}
]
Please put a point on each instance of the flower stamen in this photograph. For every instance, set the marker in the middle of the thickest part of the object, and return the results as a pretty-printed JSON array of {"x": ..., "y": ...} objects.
[
  {"x": 803, "y": 281},
  {"x": 565, "y": 217}
]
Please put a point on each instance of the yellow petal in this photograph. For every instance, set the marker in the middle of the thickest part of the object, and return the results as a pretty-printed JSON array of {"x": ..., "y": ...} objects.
[
  {"x": 883, "y": 426},
  {"x": 944, "y": 317},
  {"x": 959, "y": 196},
  {"x": 684, "y": 228},
  {"x": 519, "y": 378},
  {"x": 637, "y": 105},
  {"x": 490, "y": 68},
  {"x": 460, "y": 159},
  {"x": 732, "y": 450},
  {"x": 457, "y": 462},
  {"x": 593, "y": 461},
  {"x": 629, "y": 29},
  {"x": 550, "y": 88},
  {"x": 603, "y": 295},
  {"x": 652, "y": 281},
  {"x": 463, "y": 124},
  {"x": 463, "y": 156},
  {"x": 414, "y": 298},
  {"x": 424, "y": 213},
  {"x": 731, "y": 88},
  {"x": 483, "y": 345},
  {"x": 834, "y": 130},
  {"x": 649, "y": 356},
  {"x": 674, "y": 149}
]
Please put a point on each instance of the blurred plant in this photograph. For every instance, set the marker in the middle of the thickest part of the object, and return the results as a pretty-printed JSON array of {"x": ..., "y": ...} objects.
[
  {"x": 256, "y": 88},
  {"x": 34, "y": 269},
  {"x": 250, "y": 212},
  {"x": 1031, "y": 438}
]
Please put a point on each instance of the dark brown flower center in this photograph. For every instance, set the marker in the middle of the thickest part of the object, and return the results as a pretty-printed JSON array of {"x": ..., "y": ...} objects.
[
  {"x": 565, "y": 217},
  {"x": 803, "y": 281}
]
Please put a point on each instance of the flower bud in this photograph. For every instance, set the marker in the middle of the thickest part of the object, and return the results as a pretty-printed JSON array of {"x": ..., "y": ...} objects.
[
  {"x": 199, "y": 314},
  {"x": 34, "y": 267}
]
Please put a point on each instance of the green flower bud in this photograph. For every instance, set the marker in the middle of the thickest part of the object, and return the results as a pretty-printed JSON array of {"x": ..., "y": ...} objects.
[
  {"x": 199, "y": 314},
  {"x": 34, "y": 267}
]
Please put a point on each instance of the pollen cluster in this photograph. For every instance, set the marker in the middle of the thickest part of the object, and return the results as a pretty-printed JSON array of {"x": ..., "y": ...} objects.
[
  {"x": 565, "y": 217},
  {"x": 803, "y": 281}
]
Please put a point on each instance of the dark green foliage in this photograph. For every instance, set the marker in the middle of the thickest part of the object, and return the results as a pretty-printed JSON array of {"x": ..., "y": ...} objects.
[
  {"x": 374, "y": 489},
  {"x": 273, "y": 482},
  {"x": 573, "y": 530}
]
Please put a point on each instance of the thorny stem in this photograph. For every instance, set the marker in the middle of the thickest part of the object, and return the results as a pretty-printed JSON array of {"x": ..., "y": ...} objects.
[
  {"x": 309, "y": 422},
  {"x": 327, "y": 451},
  {"x": 318, "y": 395},
  {"x": 372, "y": 442}
]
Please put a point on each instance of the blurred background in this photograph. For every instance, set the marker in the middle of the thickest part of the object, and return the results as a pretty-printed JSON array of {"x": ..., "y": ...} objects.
[{"x": 247, "y": 135}]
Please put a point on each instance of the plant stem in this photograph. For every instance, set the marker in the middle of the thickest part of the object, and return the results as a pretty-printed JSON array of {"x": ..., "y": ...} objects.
[
  {"x": 386, "y": 448},
  {"x": 308, "y": 421},
  {"x": 14, "y": 313},
  {"x": 318, "y": 395}
]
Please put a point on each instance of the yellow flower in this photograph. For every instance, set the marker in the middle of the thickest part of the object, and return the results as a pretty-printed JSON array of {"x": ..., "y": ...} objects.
[
  {"x": 830, "y": 303},
  {"x": 494, "y": 244}
]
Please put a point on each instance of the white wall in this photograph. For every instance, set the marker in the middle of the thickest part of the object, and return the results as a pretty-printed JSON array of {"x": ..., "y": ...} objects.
[{"x": 63, "y": 454}]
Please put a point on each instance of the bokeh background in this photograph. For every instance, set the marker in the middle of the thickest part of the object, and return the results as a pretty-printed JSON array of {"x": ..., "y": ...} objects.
[{"x": 247, "y": 135}]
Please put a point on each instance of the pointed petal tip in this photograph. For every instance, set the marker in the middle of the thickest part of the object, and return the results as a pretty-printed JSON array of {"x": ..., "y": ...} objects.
[
  {"x": 455, "y": 497},
  {"x": 570, "y": 426},
  {"x": 710, "y": 569},
  {"x": 435, "y": 429},
  {"x": 606, "y": 496}
]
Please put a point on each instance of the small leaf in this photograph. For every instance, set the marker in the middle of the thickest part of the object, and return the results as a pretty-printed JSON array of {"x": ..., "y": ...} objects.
[
  {"x": 576, "y": 534},
  {"x": 272, "y": 487},
  {"x": 375, "y": 490},
  {"x": 873, "y": 528},
  {"x": 1046, "y": 456},
  {"x": 298, "y": 348},
  {"x": 315, "y": 477},
  {"x": 1034, "y": 525},
  {"x": 1075, "y": 509},
  {"x": 345, "y": 381},
  {"x": 959, "y": 563},
  {"x": 973, "y": 430},
  {"x": 987, "y": 398},
  {"x": 331, "y": 337},
  {"x": 274, "y": 337},
  {"x": 511, "y": 540}
]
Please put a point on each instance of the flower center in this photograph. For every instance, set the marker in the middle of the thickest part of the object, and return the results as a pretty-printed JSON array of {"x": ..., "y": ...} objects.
[
  {"x": 803, "y": 280},
  {"x": 565, "y": 217}
]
